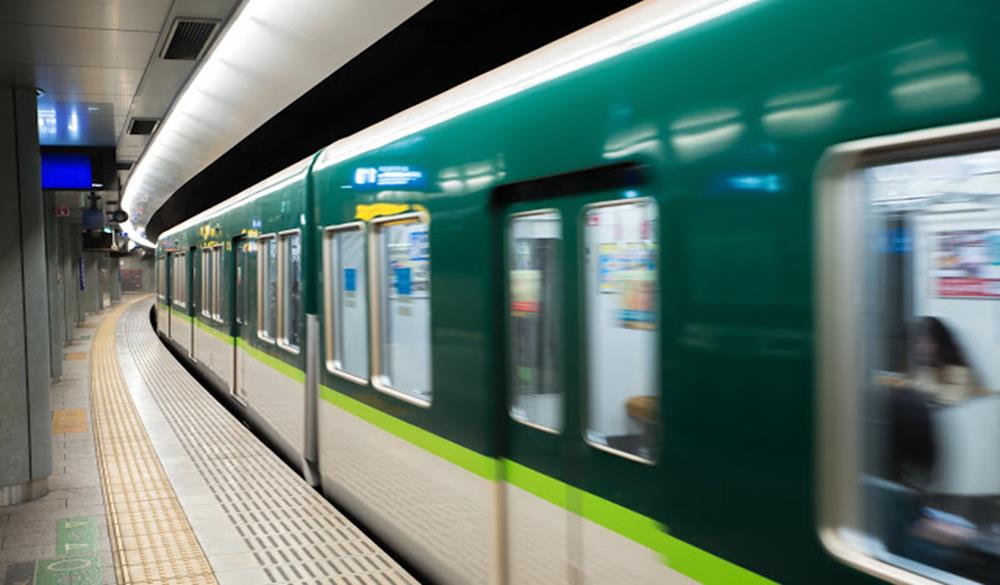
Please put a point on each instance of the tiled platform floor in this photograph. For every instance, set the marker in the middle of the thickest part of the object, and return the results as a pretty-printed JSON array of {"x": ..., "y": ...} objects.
[
  {"x": 30, "y": 532},
  {"x": 224, "y": 509}
]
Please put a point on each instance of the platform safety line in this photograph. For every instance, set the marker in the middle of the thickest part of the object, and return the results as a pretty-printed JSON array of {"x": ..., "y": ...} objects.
[{"x": 152, "y": 540}]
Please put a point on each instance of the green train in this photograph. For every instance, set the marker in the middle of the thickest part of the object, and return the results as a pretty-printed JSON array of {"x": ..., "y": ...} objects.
[{"x": 707, "y": 291}]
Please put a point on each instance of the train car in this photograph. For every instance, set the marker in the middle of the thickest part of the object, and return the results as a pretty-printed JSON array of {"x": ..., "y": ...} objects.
[{"x": 703, "y": 292}]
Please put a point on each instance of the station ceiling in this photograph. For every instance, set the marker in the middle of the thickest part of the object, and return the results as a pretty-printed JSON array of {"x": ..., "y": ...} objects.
[{"x": 275, "y": 80}]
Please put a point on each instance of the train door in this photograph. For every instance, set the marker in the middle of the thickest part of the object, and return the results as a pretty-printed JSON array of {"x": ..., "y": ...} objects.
[
  {"x": 168, "y": 274},
  {"x": 538, "y": 373},
  {"x": 583, "y": 381},
  {"x": 241, "y": 313},
  {"x": 190, "y": 296}
]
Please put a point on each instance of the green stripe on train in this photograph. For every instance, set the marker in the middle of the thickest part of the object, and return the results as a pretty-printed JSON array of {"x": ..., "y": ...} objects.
[
  {"x": 481, "y": 465},
  {"x": 224, "y": 337},
  {"x": 676, "y": 554},
  {"x": 180, "y": 314}
]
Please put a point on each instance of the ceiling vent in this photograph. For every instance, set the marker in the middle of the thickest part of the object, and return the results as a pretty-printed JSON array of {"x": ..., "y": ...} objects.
[
  {"x": 188, "y": 39},
  {"x": 142, "y": 126}
]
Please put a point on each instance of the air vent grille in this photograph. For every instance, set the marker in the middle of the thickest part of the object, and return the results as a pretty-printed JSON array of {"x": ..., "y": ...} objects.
[
  {"x": 123, "y": 166},
  {"x": 142, "y": 126},
  {"x": 188, "y": 39}
]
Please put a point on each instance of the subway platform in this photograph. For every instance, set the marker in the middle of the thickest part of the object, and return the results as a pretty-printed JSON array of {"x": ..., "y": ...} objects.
[{"x": 155, "y": 482}]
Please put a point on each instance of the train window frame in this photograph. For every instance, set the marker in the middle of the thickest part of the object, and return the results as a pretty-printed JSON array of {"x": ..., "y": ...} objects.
[
  {"x": 206, "y": 302},
  {"x": 507, "y": 324},
  {"x": 179, "y": 299},
  {"x": 658, "y": 341},
  {"x": 376, "y": 307},
  {"x": 838, "y": 277},
  {"x": 262, "y": 242},
  {"x": 218, "y": 251},
  {"x": 161, "y": 278},
  {"x": 281, "y": 336},
  {"x": 328, "y": 305}
]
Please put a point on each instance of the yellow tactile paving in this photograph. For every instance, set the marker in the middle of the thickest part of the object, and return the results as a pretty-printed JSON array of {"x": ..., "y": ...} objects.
[
  {"x": 69, "y": 420},
  {"x": 151, "y": 538}
]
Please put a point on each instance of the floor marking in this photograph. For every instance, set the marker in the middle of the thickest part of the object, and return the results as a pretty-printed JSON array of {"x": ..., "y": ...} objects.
[
  {"x": 77, "y": 537},
  {"x": 151, "y": 539},
  {"x": 76, "y": 356},
  {"x": 69, "y": 420},
  {"x": 78, "y": 557}
]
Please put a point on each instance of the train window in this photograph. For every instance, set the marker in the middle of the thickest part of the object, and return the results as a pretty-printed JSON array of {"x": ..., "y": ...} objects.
[
  {"x": 207, "y": 281},
  {"x": 534, "y": 288},
  {"x": 346, "y": 302},
  {"x": 909, "y": 374},
  {"x": 180, "y": 280},
  {"x": 161, "y": 278},
  {"x": 623, "y": 413},
  {"x": 402, "y": 359},
  {"x": 267, "y": 288},
  {"x": 219, "y": 278},
  {"x": 290, "y": 296}
]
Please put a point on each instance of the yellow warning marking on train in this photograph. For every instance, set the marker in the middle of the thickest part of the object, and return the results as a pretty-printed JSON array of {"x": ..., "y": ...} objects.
[
  {"x": 368, "y": 212},
  {"x": 69, "y": 420},
  {"x": 151, "y": 538}
]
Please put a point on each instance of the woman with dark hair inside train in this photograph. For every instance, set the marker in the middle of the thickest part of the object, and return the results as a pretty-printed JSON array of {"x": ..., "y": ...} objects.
[{"x": 939, "y": 369}]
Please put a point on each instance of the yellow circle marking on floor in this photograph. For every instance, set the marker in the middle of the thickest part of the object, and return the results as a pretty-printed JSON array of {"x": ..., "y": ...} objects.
[{"x": 151, "y": 538}]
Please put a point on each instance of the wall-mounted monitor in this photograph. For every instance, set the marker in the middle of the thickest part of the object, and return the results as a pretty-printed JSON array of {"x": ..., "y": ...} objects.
[
  {"x": 79, "y": 169},
  {"x": 67, "y": 171}
]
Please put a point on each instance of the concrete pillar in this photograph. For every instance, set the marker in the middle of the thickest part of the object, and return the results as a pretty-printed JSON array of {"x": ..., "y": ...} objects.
[
  {"x": 25, "y": 424},
  {"x": 69, "y": 267},
  {"x": 80, "y": 268},
  {"x": 55, "y": 278},
  {"x": 92, "y": 281},
  {"x": 115, "y": 280}
]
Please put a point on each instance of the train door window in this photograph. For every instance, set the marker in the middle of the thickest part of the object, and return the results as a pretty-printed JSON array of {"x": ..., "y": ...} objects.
[
  {"x": 402, "y": 361},
  {"x": 910, "y": 380},
  {"x": 267, "y": 289},
  {"x": 534, "y": 288},
  {"x": 346, "y": 302},
  {"x": 180, "y": 280},
  {"x": 620, "y": 257},
  {"x": 161, "y": 278},
  {"x": 207, "y": 281},
  {"x": 290, "y": 295},
  {"x": 218, "y": 280}
]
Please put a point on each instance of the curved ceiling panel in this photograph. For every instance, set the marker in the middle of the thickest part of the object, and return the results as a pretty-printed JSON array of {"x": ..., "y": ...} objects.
[{"x": 272, "y": 52}]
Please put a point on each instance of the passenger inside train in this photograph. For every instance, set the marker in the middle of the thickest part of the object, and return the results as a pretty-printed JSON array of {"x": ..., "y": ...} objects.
[{"x": 932, "y": 488}]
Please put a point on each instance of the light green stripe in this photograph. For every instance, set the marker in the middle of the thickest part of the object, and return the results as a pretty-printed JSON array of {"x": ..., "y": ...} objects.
[
  {"x": 677, "y": 554},
  {"x": 481, "y": 465},
  {"x": 177, "y": 313},
  {"x": 269, "y": 360},
  {"x": 223, "y": 337},
  {"x": 548, "y": 488}
]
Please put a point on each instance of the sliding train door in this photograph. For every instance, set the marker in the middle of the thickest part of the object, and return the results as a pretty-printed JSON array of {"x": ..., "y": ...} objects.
[
  {"x": 539, "y": 371},
  {"x": 242, "y": 311},
  {"x": 581, "y": 306}
]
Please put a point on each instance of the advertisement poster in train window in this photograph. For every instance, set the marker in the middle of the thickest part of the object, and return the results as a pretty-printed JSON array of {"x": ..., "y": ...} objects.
[
  {"x": 966, "y": 264},
  {"x": 525, "y": 292},
  {"x": 409, "y": 262},
  {"x": 628, "y": 270}
]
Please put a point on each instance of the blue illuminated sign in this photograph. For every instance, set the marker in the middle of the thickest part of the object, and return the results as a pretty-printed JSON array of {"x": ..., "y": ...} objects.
[
  {"x": 388, "y": 176},
  {"x": 66, "y": 171}
]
